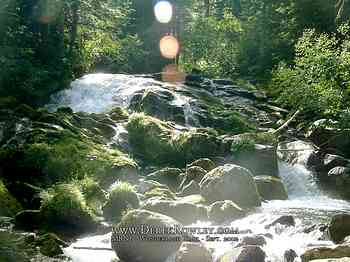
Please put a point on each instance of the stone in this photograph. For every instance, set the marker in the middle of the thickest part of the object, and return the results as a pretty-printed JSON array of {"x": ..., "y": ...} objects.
[
  {"x": 168, "y": 176},
  {"x": 224, "y": 211},
  {"x": 137, "y": 249},
  {"x": 324, "y": 134},
  {"x": 339, "y": 227},
  {"x": 287, "y": 221},
  {"x": 270, "y": 188},
  {"x": 193, "y": 252},
  {"x": 289, "y": 255},
  {"x": 244, "y": 254},
  {"x": 185, "y": 213},
  {"x": 312, "y": 254},
  {"x": 204, "y": 163},
  {"x": 230, "y": 182},
  {"x": 253, "y": 240},
  {"x": 191, "y": 188}
]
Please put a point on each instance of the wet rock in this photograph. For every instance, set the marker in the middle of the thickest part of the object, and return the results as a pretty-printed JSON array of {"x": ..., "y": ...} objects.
[
  {"x": 9, "y": 206},
  {"x": 289, "y": 255},
  {"x": 223, "y": 82},
  {"x": 204, "y": 163},
  {"x": 118, "y": 114},
  {"x": 284, "y": 221},
  {"x": 225, "y": 211},
  {"x": 168, "y": 176},
  {"x": 254, "y": 240},
  {"x": 270, "y": 188},
  {"x": 230, "y": 182},
  {"x": 325, "y": 135},
  {"x": 193, "y": 252},
  {"x": 159, "y": 103},
  {"x": 339, "y": 227},
  {"x": 28, "y": 220},
  {"x": 147, "y": 185},
  {"x": 161, "y": 193},
  {"x": 185, "y": 213},
  {"x": 244, "y": 254},
  {"x": 50, "y": 245},
  {"x": 190, "y": 189},
  {"x": 144, "y": 250},
  {"x": 340, "y": 176},
  {"x": 340, "y": 251},
  {"x": 195, "y": 173}
]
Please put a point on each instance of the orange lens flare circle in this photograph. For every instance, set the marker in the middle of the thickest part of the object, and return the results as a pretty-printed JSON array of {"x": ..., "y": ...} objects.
[{"x": 169, "y": 47}]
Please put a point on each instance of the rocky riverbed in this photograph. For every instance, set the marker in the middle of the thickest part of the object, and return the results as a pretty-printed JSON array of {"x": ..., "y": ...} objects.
[{"x": 130, "y": 150}]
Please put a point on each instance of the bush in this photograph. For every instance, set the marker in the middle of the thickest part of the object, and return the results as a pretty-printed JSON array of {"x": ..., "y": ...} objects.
[
  {"x": 64, "y": 208},
  {"x": 319, "y": 82},
  {"x": 122, "y": 197}
]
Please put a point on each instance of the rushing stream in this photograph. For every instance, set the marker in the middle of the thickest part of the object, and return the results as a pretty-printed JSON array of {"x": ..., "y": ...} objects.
[
  {"x": 307, "y": 204},
  {"x": 99, "y": 93}
]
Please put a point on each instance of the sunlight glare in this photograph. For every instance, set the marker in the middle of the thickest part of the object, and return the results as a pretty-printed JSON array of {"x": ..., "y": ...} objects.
[{"x": 163, "y": 11}]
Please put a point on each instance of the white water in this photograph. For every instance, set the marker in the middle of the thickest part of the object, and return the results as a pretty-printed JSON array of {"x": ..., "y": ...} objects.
[{"x": 306, "y": 203}]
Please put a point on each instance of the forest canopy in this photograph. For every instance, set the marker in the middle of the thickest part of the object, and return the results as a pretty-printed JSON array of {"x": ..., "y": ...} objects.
[{"x": 44, "y": 44}]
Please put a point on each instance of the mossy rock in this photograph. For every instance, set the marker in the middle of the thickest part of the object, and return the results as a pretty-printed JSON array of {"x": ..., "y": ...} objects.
[
  {"x": 168, "y": 176},
  {"x": 160, "y": 193},
  {"x": 204, "y": 163},
  {"x": 60, "y": 149},
  {"x": 13, "y": 248},
  {"x": 158, "y": 142},
  {"x": 118, "y": 114},
  {"x": 9, "y": 206},
  {"x": 49, "y": 245},
  {"x": 121, "y": 198},
  {"x": 64, "y": 210}
]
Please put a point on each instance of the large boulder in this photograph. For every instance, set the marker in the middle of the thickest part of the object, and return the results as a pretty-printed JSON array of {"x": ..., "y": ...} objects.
[
  {"x": 244, "y": 254},
  {"x": 160, "y": 103},
  {"x": 224, "y": 211},
  {"x": 186, "y": 213},
  {"x": 193, "y": 252},
  {"x": 326, "y": 135},
  {"x": 190, "y": 189},
  {"x": 230, "y": 182},
  {"x": 339, "y": 227},
  {"x": 146, "y": 244},
  {"x": 168, "y": 176},
  {"x": 340, "y": 251},
  {"x": 270, "y": 188},
  {"x": 204, "y": 163}
]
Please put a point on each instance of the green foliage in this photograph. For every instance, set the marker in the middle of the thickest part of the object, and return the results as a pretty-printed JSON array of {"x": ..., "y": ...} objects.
[
  {"x": 319, "y": 82},
  {"x": 13, "y": 248},
  {"x": 9, "y": 206},
  {"x": 122, "y": 198},
  {"x": 242, "y": 145},
  {"x": 157, "y": 142},
  {"x": 210, "y": 45}
]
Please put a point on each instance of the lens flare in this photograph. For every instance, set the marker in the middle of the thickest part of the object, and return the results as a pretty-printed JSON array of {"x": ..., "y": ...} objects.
[
  {"x": 172, "y": 74},
  {"x": 169, "y": 47},
  {"x": 163, "y": 11}
]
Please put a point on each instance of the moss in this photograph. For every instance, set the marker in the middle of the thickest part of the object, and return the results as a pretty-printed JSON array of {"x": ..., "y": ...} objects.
[
  {"x": 118, "y": 114},
  {"x": 121, "y": 198},
  {"x": 157, "y": 142},
  {"x": 9, "y": 206},
  {"x": 243, "y": 145},
  {"x": 64, "y": 208}
]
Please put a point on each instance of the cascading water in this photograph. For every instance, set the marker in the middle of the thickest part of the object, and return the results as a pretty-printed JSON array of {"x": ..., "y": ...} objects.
[{"x": 98, "y": 93}]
